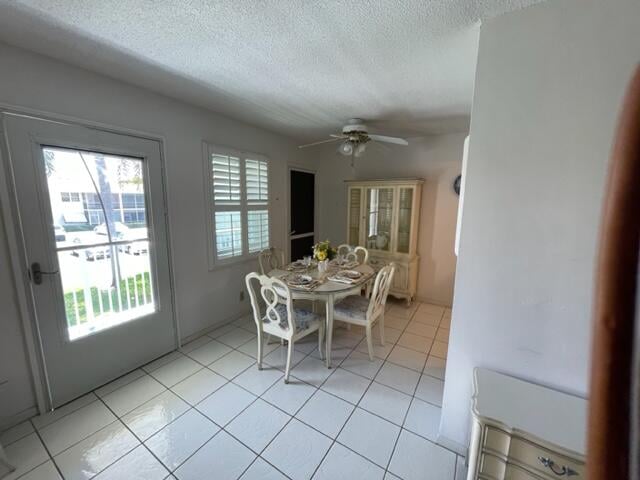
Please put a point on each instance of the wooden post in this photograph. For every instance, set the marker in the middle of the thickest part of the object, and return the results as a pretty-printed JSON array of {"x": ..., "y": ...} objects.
[{"x": 610, "y": 400}]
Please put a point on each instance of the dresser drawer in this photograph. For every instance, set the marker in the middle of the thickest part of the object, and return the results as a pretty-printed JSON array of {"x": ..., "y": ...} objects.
[
  {"x": 513, "y": 472},
  {"x": 491, "y": 467},
  {"x": 534, "y": 457},
  {"x": 496, "y": 441}
]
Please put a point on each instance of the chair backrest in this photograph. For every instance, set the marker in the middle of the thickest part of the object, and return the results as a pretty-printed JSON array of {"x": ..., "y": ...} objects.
[
  {"x": 362, "y": 254},
  {"x": 277, "y": 300},
  {"x": 270, "y": 259},
  {"x": 359, "y": 254},
  {"x": 381, "y": 288},
  {"x": 344, "y": 249}
]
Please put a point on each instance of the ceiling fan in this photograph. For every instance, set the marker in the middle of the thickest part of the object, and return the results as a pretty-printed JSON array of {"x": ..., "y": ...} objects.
[{"x": 355, "y": 137}]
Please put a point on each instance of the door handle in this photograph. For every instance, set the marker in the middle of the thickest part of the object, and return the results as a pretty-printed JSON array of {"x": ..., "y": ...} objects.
[
  {"x": 37, "y": 273},
  {"x": 292, "y": 232}
]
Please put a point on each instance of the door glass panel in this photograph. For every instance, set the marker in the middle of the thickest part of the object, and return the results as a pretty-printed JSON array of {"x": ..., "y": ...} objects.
[
  {"x": 379, "y": 216},
  {"x": 404, "y": 219},
  {"x": 100, "y": 226},
  {"x": 354, "y": 215}
]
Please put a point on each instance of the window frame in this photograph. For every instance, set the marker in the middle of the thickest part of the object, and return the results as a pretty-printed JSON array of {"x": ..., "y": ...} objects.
[{"x": 208, "y": 149}]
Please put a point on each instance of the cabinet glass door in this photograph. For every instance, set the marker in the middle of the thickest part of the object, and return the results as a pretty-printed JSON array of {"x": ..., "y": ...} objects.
[
  {"x": 355, "y": 195},
  {"x": 405, "y": 203},
  {"x": 379, "y": 218}
]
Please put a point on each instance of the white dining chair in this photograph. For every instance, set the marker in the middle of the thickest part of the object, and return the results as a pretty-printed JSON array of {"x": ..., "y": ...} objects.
[
  {"x": 270, "y": 259},
  {"x": 366, "y": 312},
  {"x": 281, "y": 318},
  {"x": 344, "y": 249},
  {"x": 358, "y": 253}
]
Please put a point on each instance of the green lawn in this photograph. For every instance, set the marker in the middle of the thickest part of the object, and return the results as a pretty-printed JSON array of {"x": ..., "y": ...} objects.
[{"x": 144, "y": 296}]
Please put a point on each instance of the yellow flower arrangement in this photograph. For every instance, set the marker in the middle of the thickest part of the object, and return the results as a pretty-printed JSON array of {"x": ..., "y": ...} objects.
[{"x": 324, "y": 251}]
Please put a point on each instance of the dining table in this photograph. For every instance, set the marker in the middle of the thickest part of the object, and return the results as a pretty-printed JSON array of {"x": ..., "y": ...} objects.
[{"x": 325, "y": 290}]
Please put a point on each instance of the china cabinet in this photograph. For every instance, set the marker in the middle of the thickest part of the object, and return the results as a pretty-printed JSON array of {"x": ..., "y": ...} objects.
[
  {"x": 524, "y": 431},
  {"x": 383, "y": 217}
]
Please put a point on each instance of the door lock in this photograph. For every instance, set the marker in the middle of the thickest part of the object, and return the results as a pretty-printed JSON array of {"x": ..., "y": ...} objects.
[{"x": 37, "y": 273}]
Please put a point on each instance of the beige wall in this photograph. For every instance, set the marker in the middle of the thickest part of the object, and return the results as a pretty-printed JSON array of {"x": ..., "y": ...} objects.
[{"x": 436, "y": 159}]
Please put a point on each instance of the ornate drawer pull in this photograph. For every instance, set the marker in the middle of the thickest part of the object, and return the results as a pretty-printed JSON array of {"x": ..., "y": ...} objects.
[{"x": 561, "y": 472}]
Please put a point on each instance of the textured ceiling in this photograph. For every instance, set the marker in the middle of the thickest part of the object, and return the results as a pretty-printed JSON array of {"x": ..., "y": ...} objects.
[{"x": 296, "y": 67}]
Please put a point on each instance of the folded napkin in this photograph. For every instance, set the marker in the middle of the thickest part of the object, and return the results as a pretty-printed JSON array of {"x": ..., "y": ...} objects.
[
  {"x": 308, "y": 287},
  {"x": 341, "y": 279}
]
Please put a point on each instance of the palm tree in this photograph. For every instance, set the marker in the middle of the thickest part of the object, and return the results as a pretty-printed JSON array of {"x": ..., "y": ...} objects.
[{"x": 49, "y": 162}]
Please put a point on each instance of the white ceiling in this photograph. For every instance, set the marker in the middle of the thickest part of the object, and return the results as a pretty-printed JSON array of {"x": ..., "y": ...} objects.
[{"x": 297, "y": 67}]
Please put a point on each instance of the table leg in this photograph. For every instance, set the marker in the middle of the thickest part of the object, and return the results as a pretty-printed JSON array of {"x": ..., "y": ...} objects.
[{"x": 329, "y": 332}]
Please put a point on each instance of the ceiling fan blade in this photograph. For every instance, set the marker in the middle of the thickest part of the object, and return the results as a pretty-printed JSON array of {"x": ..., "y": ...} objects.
[
  {"x": 384, "y": 138},
  {"x": 319, "y": 143},
  {"x": 336, "y": 135}
]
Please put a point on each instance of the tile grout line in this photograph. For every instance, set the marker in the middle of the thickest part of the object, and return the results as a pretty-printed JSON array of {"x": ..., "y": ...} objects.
[
  {"x": 141, "y": 443},
  {"x": 351, "y": 349},
  {"x": 46, "y": 449},
  {"x": 413, "y": 397},
  {"x": 222, "y": 428}
]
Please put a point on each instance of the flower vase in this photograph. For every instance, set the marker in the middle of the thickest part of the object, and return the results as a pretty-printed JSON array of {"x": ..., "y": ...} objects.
[{"x": 322, "y": 266}]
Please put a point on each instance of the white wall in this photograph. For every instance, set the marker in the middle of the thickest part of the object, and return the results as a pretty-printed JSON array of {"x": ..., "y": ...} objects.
[
  {"x": 203, "y": 298},
  {"x": 549, "y": 84},
  {"x": 438, "y": 160}
]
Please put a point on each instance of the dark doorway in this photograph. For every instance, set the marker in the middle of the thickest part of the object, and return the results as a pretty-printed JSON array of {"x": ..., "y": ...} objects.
[{"x": 302, "y": 208}]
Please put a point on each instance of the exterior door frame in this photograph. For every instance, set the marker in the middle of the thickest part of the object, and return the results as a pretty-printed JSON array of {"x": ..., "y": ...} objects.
[
  {"x": 287, "y": 240},
  {"x": 17, "y": 250}
]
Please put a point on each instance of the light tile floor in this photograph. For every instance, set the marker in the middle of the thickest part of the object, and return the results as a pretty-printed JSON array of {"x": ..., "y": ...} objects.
[{"x": 207, "y": 408}]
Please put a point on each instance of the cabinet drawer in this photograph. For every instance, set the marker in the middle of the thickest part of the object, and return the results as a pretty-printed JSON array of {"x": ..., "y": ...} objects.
[
  {"x": 512, "y": 472},
  {"x": 496, "y": 441},
  {"x": 491, "y": 467},
  {"x": 529, "y": 454}
]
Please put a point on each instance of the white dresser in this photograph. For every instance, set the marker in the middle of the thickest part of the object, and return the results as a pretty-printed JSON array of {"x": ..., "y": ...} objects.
[
  {"x": 383, "y": 216},
  {"x": 523, "y": 431}
]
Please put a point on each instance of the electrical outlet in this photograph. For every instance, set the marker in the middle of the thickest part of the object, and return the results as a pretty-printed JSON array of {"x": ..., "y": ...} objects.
[{"x": 242, "y": 295}]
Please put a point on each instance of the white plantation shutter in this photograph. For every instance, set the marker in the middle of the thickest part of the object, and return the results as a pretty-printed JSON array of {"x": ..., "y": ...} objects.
[
  {"x": 226, "y": 179},
  {"x": 239, "y": 204},
  {"x": 257, "y": 182},
  {"x": 257, "y": 188}
]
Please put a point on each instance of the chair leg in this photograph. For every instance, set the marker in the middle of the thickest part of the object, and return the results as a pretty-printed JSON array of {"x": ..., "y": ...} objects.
[
  {"x": 369, "y": 342},
  {"x": 381, "y": 327},
  {"x": 260, "y": 340},
  {"x": 320, "y": 339},
  {"x": 289, "y": 352}
]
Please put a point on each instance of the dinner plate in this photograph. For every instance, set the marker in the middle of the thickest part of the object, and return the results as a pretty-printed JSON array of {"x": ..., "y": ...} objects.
[
  {"x": 299, "y": 280},
  {"x": 352, "y": 274}
]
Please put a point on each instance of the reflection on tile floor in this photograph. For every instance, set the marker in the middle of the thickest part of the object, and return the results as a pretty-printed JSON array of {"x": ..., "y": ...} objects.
[{"x": 207, "y": 408}]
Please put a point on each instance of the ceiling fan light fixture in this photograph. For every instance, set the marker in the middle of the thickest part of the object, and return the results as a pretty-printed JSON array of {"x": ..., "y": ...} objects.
[
  {"x": 360, "y": 149},
  {"x": 346, "y": 148}
]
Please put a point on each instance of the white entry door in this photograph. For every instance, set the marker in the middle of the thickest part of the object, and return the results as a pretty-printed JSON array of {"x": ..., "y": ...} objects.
[{"x": 92, "y": 214}]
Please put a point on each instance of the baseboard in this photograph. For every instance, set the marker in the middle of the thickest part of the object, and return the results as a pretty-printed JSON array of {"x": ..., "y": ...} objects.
[
  {"x": 211, "y": 328},
  {"x": 452, "y": 445},
  {"x": 13, "y": 420},
  {"x": 432, "y": 301}
]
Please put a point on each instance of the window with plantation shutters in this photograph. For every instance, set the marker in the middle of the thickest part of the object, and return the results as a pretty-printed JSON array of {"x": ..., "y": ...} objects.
[{"x": 238, "y": 198}]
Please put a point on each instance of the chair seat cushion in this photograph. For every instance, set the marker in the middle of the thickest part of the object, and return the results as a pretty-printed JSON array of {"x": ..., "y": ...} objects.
[
  {"x": 304, "y": 318},
  {"x": 353, "y": 306}
]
